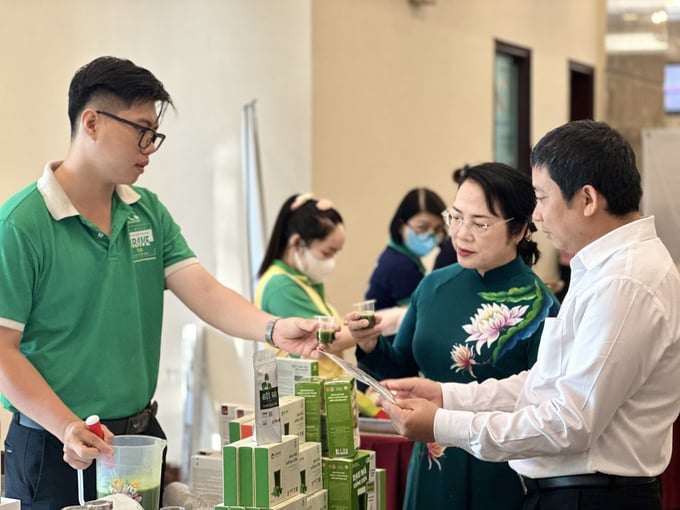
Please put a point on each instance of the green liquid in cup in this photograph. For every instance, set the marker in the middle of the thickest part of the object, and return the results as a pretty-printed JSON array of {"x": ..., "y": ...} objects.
[
  {"x": 370, "y": 316},
  {"x": 325, "y": 336}
]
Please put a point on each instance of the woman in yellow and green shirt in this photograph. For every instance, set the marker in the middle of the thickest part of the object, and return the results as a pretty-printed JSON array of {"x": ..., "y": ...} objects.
[{"x": 307, "y": 236}]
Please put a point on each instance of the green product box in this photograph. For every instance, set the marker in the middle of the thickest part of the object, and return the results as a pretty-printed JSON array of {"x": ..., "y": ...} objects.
[
  {"x": 318, "y": 500},
  {"x": 292, "y": 370},
  {"x": 311, "y": 388},
  {"x": 230, "y": 411},
  {"x": 351, "y": 481},
  {"x": 242, "y": 427},
  {"x": 275, "y": 471},
  {"x": 380, "y": 489},
  {"x": 234, "y": 474},
  {"x": 293, "y": 416},
  {"x": 311, "y": 474},
  {"x": 342, "y": 416}
]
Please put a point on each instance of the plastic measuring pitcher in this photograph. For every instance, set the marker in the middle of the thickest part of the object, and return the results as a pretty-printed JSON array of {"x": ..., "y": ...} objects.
[{"x": 134, "y": 470}]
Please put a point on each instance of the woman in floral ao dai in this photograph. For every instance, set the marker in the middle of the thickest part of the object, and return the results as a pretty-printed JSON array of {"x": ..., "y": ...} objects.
[{"x": 476, "y": 319}]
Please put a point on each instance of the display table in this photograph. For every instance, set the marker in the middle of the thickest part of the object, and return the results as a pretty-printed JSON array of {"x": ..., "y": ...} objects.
[{"x": 392, "y": 453}]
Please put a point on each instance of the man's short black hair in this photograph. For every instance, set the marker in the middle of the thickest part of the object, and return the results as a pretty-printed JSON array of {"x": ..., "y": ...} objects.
[{"x": 111, "y": 81}]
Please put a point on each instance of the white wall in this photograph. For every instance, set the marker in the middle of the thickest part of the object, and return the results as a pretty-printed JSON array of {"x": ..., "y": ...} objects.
[{"x": 213, "y": 56}]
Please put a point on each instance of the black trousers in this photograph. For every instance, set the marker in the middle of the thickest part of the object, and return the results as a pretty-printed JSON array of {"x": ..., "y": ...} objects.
[
  {"x": 628, "y": 497},
  {"x": 36, "y": 474}
]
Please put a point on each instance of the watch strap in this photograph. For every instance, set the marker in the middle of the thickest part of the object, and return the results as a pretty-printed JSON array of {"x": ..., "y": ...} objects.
[{"x": 269, "y": 332}]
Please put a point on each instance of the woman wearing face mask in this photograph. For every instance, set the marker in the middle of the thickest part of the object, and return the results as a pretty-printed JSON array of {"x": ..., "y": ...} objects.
[
  {"x": 416, "y": 229},
  {"x": 307, "y": 236}
]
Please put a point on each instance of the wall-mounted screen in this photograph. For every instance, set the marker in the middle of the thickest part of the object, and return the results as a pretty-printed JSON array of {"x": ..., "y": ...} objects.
[{"x": 671, "y": 88}]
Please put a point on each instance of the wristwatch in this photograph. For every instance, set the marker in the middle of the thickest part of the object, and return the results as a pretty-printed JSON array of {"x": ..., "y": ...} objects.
[{"x": 269, "y": 332}]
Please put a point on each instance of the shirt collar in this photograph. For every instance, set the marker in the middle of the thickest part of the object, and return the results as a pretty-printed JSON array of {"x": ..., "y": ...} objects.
[
  {"x": 626, "y": 235},
  {"x": 57, "y": 201},
  {"x": 391, "y": 243},
  {"x": 300, "y": 277}
]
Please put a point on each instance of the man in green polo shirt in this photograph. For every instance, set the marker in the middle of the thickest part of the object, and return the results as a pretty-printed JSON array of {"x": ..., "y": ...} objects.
[{"x": 84, "y": 259}]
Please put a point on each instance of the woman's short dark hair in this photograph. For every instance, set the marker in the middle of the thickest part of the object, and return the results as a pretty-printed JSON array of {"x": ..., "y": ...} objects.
[
  {"x": 509, "y": 194},
  {"x": 416, "y": 201},
  {"x": 306, "y": 220}
]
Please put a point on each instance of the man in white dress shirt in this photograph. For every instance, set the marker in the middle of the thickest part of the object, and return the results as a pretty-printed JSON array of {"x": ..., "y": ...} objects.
[{"x": 589, "y": 426}]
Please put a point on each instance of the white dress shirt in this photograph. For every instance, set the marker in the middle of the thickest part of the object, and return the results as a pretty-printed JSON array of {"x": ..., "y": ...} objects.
[{"x": 605, "y": 390}]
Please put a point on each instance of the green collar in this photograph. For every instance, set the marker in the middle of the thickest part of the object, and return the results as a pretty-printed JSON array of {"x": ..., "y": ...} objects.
[{"x": 405, "y": 251}]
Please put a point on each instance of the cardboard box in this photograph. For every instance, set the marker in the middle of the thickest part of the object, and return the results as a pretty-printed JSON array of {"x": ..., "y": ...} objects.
[
  {"x": 311, "y": 474},
  {"x": 312, "y": 389},
  {"x": 205, "y": 476},
  {"x": 350, "y": 482},
  {"x": 292, "y": 370},
  {"x": 274, "y": 476},
  {"x": 228, "y": 412},
  {"x": 241, "y": 428},
  {"x": 342, "y": 416},
  {"x": 298, "y": 502},
  {"x": 293, "y": 416},
  {"x": 318, "y": 500}
]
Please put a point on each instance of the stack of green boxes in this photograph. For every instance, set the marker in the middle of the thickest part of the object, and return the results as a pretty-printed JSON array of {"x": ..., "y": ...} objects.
[
  {"x": 318, "y": 465},
  {"x": 331, "y": 416},
  {"x": 277, "y": 476}
]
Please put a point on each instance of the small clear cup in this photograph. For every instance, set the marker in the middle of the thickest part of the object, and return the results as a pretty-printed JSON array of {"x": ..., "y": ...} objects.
[
  {"x": 366, "y": 310},
  {"x": 326, "y": 332}
]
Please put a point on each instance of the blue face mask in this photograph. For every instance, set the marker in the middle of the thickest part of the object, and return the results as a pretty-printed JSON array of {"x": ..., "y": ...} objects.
[{"x": 420, "y": 244}]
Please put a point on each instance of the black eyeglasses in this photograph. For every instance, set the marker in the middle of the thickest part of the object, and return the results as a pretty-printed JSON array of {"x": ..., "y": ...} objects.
[{"x": 147, "y": 137}]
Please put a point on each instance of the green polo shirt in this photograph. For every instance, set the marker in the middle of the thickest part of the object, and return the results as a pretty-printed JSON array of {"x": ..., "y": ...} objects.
[{"x": 89, "y": 306}]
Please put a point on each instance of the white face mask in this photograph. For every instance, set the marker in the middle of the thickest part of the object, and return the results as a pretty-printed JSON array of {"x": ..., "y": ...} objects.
[{"x": 316, "y": 269}]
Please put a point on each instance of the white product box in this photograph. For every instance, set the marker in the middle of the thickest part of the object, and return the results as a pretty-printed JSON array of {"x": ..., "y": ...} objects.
[
  {"x": 292, "y": 410},
  {"x": 311, "y": 473},
  {"x": 298, "y": 502},
  {"x": 318, "y": 500},
  {"x": 291, "y": 370},
  {"x": 205, "y": 476},
  {"x": 230, "y": 411}
]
